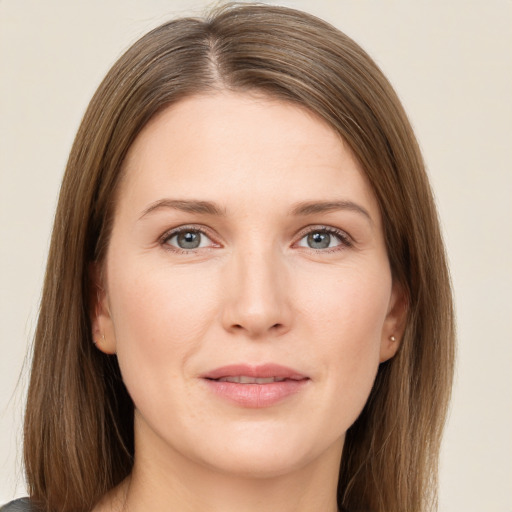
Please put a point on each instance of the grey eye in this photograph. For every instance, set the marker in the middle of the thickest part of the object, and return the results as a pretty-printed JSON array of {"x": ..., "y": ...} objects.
[
  {"x": 189, "y": 239},
  {"x": 319, "y": 240}
]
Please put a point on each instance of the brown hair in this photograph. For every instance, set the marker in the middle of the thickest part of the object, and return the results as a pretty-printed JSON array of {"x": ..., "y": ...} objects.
[{"x": 79, "y": 418}]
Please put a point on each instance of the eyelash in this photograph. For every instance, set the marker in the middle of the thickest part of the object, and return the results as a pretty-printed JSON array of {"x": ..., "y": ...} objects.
[{"x": 345, "y": 240}]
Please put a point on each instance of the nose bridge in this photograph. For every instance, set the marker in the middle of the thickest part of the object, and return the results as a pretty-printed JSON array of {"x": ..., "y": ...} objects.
[{"x": 258, "y": 303}]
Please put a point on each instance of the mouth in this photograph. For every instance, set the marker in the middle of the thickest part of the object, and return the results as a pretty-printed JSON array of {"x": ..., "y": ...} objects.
[
  {"x": 255, "y": 386},
  {"x": 244, "y": 379},
  {"x": 251, "y": 374}
]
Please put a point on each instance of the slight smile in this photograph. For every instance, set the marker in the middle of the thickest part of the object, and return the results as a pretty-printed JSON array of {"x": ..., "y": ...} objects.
[{"x": 255, "y": 386}]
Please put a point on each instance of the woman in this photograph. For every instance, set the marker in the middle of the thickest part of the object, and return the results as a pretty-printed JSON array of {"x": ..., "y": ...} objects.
[{"x": 247, "y": 304}]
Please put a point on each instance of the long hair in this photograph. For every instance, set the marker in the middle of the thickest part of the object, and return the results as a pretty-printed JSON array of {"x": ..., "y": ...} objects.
[{"x": 79, "y": 418}]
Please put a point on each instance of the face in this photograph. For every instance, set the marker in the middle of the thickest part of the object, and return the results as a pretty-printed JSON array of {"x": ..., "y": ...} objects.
[{"x": 246, "y": 289}]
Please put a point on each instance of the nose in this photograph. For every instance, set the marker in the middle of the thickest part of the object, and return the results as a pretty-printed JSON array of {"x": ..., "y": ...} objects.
[{"x": 257, "y": 302}]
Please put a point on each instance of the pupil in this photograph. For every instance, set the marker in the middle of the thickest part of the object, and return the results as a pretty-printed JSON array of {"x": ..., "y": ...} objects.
[
  {"x": 319, "y": 240},
  {"x": 189, "y": 240}
]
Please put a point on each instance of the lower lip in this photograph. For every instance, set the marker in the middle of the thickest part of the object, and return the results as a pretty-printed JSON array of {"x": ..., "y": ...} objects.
[{"x": 256, "y": 396}]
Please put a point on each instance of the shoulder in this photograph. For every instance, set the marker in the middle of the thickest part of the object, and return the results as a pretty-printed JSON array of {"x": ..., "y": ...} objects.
[{"x": 21, "y": 505}]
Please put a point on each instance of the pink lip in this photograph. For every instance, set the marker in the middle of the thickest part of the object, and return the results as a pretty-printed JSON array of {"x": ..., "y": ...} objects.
[{"x": 255, "y": 395}]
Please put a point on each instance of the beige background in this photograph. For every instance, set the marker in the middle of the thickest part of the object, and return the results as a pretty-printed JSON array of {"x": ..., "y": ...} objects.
[{"x": 450, "y": 61}]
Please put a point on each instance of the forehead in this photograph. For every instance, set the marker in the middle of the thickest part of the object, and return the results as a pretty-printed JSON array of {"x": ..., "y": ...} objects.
[{"x": 215, "y": 144}]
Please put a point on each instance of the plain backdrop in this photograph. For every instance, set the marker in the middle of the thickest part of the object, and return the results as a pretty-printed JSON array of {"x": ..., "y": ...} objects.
[{"x": 451, "y": 63}]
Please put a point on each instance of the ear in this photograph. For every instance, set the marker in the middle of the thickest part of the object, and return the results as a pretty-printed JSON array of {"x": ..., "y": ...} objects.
[
  {"x": 101, "y": 321},
  {"x": 394, "y": 324}
]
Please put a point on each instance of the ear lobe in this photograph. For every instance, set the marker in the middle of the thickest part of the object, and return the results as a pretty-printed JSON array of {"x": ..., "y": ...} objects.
[
  {"x": 394, "y": 324},
  {"x": 101, "y": 321}
]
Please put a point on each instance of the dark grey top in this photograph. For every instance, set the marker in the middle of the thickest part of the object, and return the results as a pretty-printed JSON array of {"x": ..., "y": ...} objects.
[{"x": 21, "y": 505}]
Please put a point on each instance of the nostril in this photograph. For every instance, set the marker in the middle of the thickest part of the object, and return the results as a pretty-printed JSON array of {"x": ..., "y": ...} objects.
[{"x": 276, "y": 328}]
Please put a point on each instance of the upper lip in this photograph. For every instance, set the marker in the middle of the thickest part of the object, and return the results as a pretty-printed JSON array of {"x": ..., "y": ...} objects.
[{"x": 256, "y": 371}]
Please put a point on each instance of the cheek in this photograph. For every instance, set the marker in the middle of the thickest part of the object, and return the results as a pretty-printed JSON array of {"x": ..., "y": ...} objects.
[
  {"x": 349, "y": 306},
  {"x": 347, "y": 320},
  {"x": 158, "y": 319}
]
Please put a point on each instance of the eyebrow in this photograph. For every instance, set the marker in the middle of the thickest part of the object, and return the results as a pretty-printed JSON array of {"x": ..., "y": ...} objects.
[
  {"x": 313, "y": 207},
  {"x": 189, "y": 206},
  {"x": 301, "y": 209}
]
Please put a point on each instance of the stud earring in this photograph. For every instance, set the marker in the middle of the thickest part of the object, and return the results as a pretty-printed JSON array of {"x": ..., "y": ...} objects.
[
  {"x": 392, "y": 338},
  {"x": 97, "y": 342}
]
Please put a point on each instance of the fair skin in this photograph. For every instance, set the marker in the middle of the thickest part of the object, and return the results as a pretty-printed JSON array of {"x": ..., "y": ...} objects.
[{"x": 280, "y": 259}]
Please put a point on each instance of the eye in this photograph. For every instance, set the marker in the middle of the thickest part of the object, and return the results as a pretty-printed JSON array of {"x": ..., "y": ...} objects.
[
  {"x": 187, "y": 239},
  {"x": 324, "y": 238}
]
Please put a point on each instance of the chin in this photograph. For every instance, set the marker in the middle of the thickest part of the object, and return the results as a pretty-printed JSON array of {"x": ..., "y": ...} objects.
[
  {"x": 260, "y": 465},
  {"x": 268, "y": 454}
]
